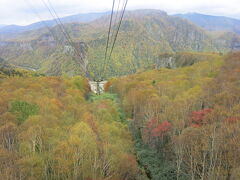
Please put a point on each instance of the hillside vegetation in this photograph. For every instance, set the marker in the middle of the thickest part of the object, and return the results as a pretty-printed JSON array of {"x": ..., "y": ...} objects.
[
  {"x": 185, "y": 121},
  {"x": 48, "y": 130},
  {"x": 180, "y": 123}
]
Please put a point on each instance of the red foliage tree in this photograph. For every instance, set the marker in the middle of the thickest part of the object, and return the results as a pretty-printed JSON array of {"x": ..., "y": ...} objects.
[
  {"x": 199, "y": 117},
  {"x": 161, "y": 129},
  {"x": 155, "y": 129}
]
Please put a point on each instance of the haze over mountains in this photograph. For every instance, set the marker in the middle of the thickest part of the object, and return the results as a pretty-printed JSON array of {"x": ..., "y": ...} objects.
[
  {"x": 143, "y": 37},
  {"x": 11, "y": 30},
  {"x": 208, "y": 22},
  {"x": 213, "y": 23}
]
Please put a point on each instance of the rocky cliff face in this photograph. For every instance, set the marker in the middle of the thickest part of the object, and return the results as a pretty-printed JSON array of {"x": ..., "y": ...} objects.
[
  {"x": 168, "y": 61},
  {"x": 181, "y": 59},
  {"x": 47, "y": 40},
  {"x": 186, "y": 37},
  {"x": 7, "y": 48}
]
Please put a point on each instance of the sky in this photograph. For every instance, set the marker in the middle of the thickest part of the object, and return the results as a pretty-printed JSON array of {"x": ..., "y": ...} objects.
[{"x": 22, "y": 12}]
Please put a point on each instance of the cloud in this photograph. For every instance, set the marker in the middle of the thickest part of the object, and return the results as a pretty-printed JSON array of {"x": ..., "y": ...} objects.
[{"x": 22, "y": 11}]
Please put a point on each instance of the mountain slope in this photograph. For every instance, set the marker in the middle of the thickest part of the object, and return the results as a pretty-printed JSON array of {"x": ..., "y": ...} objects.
[
  {"x": 144, "y": 35},
  {"x": 13, "y": 30},
  {"x": 213, "y": 23}
]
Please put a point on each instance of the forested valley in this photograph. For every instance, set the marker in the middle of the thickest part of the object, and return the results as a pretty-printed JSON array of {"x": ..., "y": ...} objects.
[
  {"x": 169, "y": 110},
  {"x": 161, "y": 124}
]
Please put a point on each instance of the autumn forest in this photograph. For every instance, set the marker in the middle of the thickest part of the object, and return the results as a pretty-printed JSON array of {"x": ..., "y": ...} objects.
[
  {"x": 165, "y": 124},
  {"x": 169, "y": 108}
]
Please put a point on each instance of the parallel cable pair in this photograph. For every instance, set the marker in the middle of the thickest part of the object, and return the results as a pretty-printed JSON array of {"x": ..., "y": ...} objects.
[
  {"x": 65, "y": 33},
  {"x": 114, "y": 35}
]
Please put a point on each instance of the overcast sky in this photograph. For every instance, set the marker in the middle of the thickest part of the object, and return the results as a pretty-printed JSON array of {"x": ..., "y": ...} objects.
[{"x": 20, "y": 11}]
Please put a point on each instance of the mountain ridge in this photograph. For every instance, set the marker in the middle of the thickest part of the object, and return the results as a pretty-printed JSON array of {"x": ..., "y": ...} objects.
[
  {"x": 13, "y": 30},
  {"x": 213, "y": 23},
  {"x": 144, "y": 35}
]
